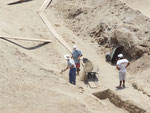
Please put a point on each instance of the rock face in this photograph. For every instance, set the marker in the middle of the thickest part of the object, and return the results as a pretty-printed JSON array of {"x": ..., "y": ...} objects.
[
  {"x": 110, "y": 22},
  {"x": 130, "y": 42}
]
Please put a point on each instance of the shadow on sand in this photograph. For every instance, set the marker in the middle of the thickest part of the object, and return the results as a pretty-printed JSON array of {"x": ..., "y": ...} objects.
[
  {"x": 118, "y": 88},
  {"x": 18, "y": 2},
  {"x": 28, "y": 48}
]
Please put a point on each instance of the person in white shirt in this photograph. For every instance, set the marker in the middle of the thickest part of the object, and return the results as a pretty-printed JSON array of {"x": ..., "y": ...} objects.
[
  {"x": 122, "y": 64},
  {"x": 72, "y": 67}
]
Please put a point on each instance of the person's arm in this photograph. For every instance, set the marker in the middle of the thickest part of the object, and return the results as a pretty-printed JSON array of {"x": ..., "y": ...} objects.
[
  {"x": 117, "y": 67},
  {"x": 72, "y": 66},
  {"x": 128, "y": 64},
  {"x": 80, "y": 55},
  {"x": 66, "y": 68}
]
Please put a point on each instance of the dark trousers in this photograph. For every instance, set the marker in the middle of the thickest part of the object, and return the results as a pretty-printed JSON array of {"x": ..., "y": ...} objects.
[{"x": 72, "y": 76}]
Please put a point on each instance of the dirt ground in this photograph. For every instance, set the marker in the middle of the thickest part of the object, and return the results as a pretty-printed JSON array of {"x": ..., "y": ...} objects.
[{"x": 30, "y": 78}]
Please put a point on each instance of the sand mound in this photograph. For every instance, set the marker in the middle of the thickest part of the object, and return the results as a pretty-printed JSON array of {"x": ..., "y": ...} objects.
[
  {"x": 107, "y": 28},
  {"x": 142, "y": 6}
]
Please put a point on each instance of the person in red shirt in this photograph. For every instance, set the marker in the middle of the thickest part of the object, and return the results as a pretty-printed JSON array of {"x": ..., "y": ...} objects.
[{"x": 76, "y": 55}]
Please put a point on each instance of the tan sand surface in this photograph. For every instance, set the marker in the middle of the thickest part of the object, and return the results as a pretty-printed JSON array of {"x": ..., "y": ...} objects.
[
  {"x": 141, "y": 5},
  {"x": 30, "y": 78}
]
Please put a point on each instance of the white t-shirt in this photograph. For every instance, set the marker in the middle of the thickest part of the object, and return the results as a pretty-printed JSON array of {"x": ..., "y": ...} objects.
[
  {"x": 71, "y": 63},
  {"x": 122, "y": 63}
]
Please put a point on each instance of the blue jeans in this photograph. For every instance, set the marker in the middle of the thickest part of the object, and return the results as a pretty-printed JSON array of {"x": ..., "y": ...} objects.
[{"x": 72, "y": 76}]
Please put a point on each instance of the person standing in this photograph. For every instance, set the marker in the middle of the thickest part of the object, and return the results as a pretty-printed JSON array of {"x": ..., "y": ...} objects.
[
  {"x": 76, "y": 55},
  {"x": 122, "y": 64},
  {"x": 72, "y": 67}
]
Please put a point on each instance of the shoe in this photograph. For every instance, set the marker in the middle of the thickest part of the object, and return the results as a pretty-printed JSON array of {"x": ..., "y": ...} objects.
[{"x": 119, "y": 87}]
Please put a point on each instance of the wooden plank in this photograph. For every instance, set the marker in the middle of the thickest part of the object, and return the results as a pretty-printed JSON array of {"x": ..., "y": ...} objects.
[
  {"x": 18, "y": 38},
  {"x": 51, "y": 28},
  {"x": 45, "y": 5},
  {"x": 92, "y": 79},
  {"x": 92, "y": 84},
  {"x": 53, "y": 31}
]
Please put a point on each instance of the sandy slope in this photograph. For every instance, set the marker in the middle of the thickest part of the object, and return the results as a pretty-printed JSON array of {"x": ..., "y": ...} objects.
[{"x": 141, "y": 5}]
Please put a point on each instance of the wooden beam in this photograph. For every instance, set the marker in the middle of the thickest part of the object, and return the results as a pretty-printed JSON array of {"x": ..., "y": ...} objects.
[
  {"x": 18, "y": 38},
  {"x": 45, "y": 5},
  {"x": 53, "y": 31},
  {"x": 51, "y": 28}
]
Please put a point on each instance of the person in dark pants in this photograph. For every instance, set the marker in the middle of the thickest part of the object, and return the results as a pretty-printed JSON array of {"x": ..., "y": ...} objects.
[{"x": 72, "y": 67}]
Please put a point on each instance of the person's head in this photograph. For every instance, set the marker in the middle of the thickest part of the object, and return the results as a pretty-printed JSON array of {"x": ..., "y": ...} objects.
[
  {"x": 67, "y": 57},
  {"x": 75, "y": 48},
  {"x": 120, "y": 56}
]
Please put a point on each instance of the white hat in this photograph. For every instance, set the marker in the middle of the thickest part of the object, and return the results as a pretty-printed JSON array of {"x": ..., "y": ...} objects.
[
  {"x": 66, "y": 56},
  {"x": 120, "y": 55},
  {"x": 74, "y": 47}
]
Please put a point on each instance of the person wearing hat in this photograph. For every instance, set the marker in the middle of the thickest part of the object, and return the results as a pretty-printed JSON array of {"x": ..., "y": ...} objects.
[
  {"x": 76, "y": 55},
  {"x": 72, "y": 67},
  {"x": 122, "y": 64}
]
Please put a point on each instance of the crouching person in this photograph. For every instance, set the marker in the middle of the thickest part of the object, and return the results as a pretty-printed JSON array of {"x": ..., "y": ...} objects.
[{"x": 72, "y": 67}]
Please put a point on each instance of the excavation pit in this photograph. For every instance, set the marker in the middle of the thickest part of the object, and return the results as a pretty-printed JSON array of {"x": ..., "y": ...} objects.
[{"x": 118, "y": 102}]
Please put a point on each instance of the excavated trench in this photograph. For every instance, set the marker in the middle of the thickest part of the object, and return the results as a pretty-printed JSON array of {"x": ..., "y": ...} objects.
[
  {"x": 118, "y": 102},
  {"x": 137, "y": 87}
]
